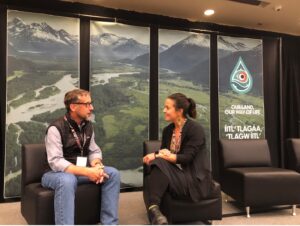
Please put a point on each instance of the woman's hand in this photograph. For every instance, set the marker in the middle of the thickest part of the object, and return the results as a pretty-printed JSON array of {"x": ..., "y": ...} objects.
[
  {"x": 164, "y": 152},
  {"x": 148, "y": 158},
  {"x": 167, "y": 155}
]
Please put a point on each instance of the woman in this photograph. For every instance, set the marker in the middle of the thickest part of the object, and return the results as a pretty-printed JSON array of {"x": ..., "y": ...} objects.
[{"x": 181, "y": 167}]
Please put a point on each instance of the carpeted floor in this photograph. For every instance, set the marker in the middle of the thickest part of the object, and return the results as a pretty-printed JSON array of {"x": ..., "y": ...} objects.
[{"x": 132, "y": 211}]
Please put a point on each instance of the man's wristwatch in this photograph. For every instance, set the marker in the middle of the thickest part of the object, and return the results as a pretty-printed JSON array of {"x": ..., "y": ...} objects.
[{"x": 101, "y": 166}]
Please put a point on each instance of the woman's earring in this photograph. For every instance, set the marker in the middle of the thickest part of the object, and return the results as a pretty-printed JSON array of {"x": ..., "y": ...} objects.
[{"x": 179, "y": 121}]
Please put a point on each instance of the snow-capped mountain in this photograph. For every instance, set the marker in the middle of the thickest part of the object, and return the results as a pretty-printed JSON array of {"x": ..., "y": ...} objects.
[
  {"x": 109, "y": 46},
  {"x": 163, "y": 47},
  {"x": 106, "y": 39},
  {"x": 17, "y": 28},
  {"x": 183, "y": 55},
  {"x": 230, "y": 44},
  {"x": 39, "y": 38},
  {"x": 196, "y": 40},
  {"x": 186, "y": 53}
]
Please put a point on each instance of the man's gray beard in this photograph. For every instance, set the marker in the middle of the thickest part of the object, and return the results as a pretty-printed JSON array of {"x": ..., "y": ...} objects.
[
  {"x": 91, "y": 117},
  {"x": 88, "y": 118}
]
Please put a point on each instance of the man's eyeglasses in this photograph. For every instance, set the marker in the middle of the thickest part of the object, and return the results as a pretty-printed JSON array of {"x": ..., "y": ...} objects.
[{"x": 88, "y": 104}]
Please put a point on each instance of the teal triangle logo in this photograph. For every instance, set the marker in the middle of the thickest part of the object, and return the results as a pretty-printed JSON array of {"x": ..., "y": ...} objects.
[{"x": 240, "y": 79}]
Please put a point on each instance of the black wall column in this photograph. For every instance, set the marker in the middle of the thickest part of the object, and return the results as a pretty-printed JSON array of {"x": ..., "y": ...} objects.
[
  {"x": 153, "y": 101},
  {"x": 271, "y": 86},
  {"x": 214, "y": 106},
  {"x": 84, "y": 53},
  {"x": 290, "y": 88}
]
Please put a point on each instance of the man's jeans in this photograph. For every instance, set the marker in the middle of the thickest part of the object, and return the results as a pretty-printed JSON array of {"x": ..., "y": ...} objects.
[{"x": 65, "y": 184}]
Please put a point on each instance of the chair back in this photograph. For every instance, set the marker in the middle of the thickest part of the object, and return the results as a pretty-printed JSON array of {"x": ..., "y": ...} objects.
[
  {"x": 245, "y": 153},
  {"x": 151, "y": 146},
  {"x": 34, "y": 161},
  {"x": 293, "y": 157}
]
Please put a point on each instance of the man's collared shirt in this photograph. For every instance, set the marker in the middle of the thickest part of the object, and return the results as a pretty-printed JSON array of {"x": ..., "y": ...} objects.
[{"x": 54, "y": 149}]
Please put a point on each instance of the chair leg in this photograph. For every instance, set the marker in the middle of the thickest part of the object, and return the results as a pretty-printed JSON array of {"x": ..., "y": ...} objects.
[
  {"x": 207, "y": 222},
  {"x": 226, "y": 197},
  {"x": 248, "y": 211},
  {"x": 294, "y": 210}
]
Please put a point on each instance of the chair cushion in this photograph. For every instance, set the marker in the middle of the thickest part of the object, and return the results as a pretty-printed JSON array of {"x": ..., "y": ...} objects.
[
  {"x": 245, "y": 153},
  {"x": 259, "y": 186}
]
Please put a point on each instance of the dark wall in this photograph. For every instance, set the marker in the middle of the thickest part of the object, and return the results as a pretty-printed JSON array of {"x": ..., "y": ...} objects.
[
  {"x": 271, "y": 57},
  {"x": 290, "y": 80}
]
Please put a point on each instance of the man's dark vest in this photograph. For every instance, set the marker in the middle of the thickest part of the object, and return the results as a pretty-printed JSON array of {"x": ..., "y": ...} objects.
[{"x": 70, "y": 147}]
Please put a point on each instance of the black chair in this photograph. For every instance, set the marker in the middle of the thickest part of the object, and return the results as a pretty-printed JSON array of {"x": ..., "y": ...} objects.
[
  {"x": 248, "y": 177},
  {"x": 293, "y": 157},
  {"x": 178, "y": 211},
  {"x": 37, "y": 203}
]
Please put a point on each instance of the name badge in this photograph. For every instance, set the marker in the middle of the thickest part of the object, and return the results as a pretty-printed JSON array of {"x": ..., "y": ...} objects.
[{"x": 81, "y": 161}]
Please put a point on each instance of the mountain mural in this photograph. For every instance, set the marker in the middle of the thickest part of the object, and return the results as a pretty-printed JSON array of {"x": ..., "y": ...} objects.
[
  {"x": 40, "y": 39},
  {"x": 190, "y": 58},
  {"x": 109, "y": 46},
  {"x": 183, "y": 55}
]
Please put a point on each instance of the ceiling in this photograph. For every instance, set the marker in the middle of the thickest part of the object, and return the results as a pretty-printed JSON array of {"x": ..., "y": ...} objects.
[{"x": 287, "y": 20}]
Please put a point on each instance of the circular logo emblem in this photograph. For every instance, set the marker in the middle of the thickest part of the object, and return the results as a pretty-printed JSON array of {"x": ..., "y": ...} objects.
[{"x": 240, "y": 79}]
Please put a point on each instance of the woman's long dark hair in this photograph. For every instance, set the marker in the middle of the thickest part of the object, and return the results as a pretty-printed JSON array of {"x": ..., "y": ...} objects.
[{"x": 183, "y": 102}]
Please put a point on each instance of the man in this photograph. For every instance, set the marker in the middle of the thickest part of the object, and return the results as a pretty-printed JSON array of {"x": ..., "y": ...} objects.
[{"x": 74, "y": 158}]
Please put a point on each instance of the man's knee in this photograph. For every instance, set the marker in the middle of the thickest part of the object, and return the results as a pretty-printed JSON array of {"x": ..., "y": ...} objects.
[
  {"x": 113, "y": 173},
  {"x": 68, "y": 181}
]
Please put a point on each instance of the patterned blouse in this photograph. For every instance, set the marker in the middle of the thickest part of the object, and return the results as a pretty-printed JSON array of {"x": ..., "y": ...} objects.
[{"x": 175, "y": 144}]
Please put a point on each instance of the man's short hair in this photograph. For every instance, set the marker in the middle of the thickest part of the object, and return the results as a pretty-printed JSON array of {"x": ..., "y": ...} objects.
[{"x": 73, "y": 96}]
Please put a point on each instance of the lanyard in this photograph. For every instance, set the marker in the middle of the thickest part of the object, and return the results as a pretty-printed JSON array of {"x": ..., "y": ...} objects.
[{"x": 76, "y": 136}]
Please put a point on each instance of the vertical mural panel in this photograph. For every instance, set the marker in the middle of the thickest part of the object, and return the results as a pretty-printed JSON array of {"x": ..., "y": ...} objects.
[
  {"x": 241, "y": 101},
  {"x": 184, "y": 62},
  {"x": 120, "y": 89},
  {"x": 42, "y": 64}
]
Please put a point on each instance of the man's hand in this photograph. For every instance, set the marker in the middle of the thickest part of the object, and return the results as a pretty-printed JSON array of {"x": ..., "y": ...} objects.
[
  {"x": 96, "y": 174},
  {"x": 95, "y": 162},
  {"x": 103, "y": 175},
  {"x": 148, "y": 158}
]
